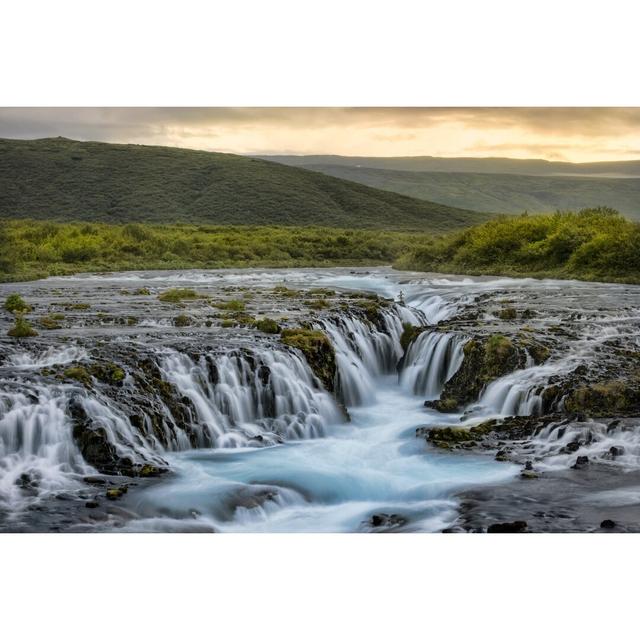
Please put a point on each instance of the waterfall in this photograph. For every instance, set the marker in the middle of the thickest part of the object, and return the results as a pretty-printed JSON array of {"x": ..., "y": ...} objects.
[
  {"x": 37, "y": 452},
  {"x": 251, "y": 398},
  {"x": 365, "y": 351},
  {"x": 431, "y": 360},
  {"x": 560, "y": 444},
  {"x": 47, "y": 358},
  {"x": 520, "y": 393}
]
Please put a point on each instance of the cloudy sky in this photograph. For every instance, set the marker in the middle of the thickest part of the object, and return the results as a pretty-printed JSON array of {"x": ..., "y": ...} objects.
[{"x": 574, "y": 134}]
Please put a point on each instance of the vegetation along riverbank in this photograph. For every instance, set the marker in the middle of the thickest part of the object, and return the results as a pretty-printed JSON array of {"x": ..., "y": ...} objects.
[{"x": 592, "y": 244}]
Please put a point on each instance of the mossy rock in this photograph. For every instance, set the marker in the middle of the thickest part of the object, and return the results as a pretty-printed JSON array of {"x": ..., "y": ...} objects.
[
  {"x": 267, "y": 325},
  {"x": 182, "y": 321},
  {"x": 22, "y": 329},
  {"x": 317, "y": 350},
  {"x": 409, "y": 333},
  {"x": 485, "y": 360},
  {"x": 178, "y": 295},
  {"x": 605, "y": 399},
  {"x": 507, "y": 313},
  {"x": 52, "y": 321},
  {"x": 80, "y": 374}
]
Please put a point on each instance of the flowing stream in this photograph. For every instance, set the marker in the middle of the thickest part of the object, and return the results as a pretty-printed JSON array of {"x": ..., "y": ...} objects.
[{"x": 266, "y": 448}]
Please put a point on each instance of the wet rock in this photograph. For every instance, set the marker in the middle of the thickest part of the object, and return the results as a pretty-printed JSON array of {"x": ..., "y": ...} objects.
[
  {"x": 317, "y": 350},
  {"x": 615, "y": 451},
  {"x": 519, "y": 526},
  {"x": 92, "y": 504},
  {"x": 607, "y": 524},
  {"x": 94, "y": 480},
  {"x": 485, "y": 360},
  {"x": 116, "y": 492},
  {"x": 608, "y": 398},
  {"x": 385, "y": 520},
  {"x": 581, "y": 462}
]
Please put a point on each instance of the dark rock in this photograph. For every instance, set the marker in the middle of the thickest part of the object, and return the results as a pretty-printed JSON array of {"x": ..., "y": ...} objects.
[
  {"x": 92, "y": 504},
  {"x": 386, "y": 520},
  {"x": 581, "y": 462},
  {"x": 607, "y": 524},
  {"x": 519, "y": 526}
]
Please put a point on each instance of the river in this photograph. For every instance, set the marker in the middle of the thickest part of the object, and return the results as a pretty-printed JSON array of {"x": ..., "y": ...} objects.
[{"x": 264, "y": 447}]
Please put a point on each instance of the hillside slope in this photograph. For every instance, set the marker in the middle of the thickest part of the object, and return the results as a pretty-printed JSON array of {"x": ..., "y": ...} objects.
[
  {"x": 534, "y": 167},
  {"x": 502, "y": 193},
  {"x": 60, "y": 179}
]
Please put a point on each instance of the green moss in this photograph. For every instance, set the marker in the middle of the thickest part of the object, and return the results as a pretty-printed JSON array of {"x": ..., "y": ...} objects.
[
  {"x": 149, "y": 471},
  {"x": 22, "y": 329},
  {"x": 132, "y": 320},
  {"x": 75, "y": 306},
  {"x": 610, "y": 398},
  {"x": 409, "y": 333},
  {"x": 498, "y": 350},
  {"x": 16, "y": 304},
  {"x": 267, "y": 325},
  {"x": 178, "y": 295},
  {"x": 318, "y": 352},
  {"x": 50, "y": 322},
  {"x": 231, "y": 305},
  {"x": 116, "y": 492},
  {"x": 182, "y": 321},
  {"x": 285, "y": 292},
  {"x": 227, "y": 323},
  {"x": 371, "y": 305},
  {"x": 507, "y": 313},
  {"x": 143, "y": 291},
  {"x": 317, "y": 305},
  {"x": 80, "y": 374}
]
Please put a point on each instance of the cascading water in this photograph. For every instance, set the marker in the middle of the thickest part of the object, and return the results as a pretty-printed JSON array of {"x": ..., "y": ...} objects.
[
  {"x": 431, "y": 360},
  {"x": 365, "y": 352},
  {"x": 37, "y": 453},
  {"x": 245, "y": 399},
  {"x": 207, "y": 400}
]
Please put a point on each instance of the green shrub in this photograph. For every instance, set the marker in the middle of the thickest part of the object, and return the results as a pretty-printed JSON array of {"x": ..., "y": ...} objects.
[
  {"x": 182, "y": 321},
  {"x": 22, "y": 329},
  {"x": 16, "y": 304},
  {"x": 267, "y": 325},
  {"x": 177, "y": 295},
  {"x": 231, "y": 305}
]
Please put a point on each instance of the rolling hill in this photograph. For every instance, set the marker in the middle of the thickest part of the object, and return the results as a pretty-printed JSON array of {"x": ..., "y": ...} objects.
[
  {"x": 65, "y": 180},
  {"x": 491, "y": 184},
  {"x": 502, "y": 193},
  {"x": 533, "y": 167}
]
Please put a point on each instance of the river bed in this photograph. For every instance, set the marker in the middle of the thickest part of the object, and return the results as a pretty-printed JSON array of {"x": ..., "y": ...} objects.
[{"x": 262, "y": 445}]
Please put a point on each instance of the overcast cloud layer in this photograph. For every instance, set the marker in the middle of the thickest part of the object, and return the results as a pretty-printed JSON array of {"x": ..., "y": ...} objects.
[{"x": 574, "y": 134}]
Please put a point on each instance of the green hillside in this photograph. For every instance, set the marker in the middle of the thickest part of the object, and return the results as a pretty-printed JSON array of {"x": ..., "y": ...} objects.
[
  {"x": 500, "y": 192},
  {"x": 65, "y": 180},
  {"x": 534, "y": 167}
]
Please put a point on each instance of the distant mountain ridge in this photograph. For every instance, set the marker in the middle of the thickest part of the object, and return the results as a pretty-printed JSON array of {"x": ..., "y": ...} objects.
[
  {"x": 502, "y": 191},
  {"x": 61, "y": 179},
  {"x": 534, "y": 167}
]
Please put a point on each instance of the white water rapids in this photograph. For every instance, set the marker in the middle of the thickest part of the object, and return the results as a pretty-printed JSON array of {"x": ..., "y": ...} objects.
[{"x": 275, "y": 451}]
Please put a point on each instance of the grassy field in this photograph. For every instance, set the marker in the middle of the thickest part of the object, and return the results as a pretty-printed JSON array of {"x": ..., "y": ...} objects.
[
  {"x": 63, "y": 180},
  {"x": 34, "y": 249},
  {"x": 592, "y": 244}
]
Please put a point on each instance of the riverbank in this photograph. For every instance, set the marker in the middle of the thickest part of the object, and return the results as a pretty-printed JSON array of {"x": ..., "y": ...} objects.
[{"x": 595, "y": 245}]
